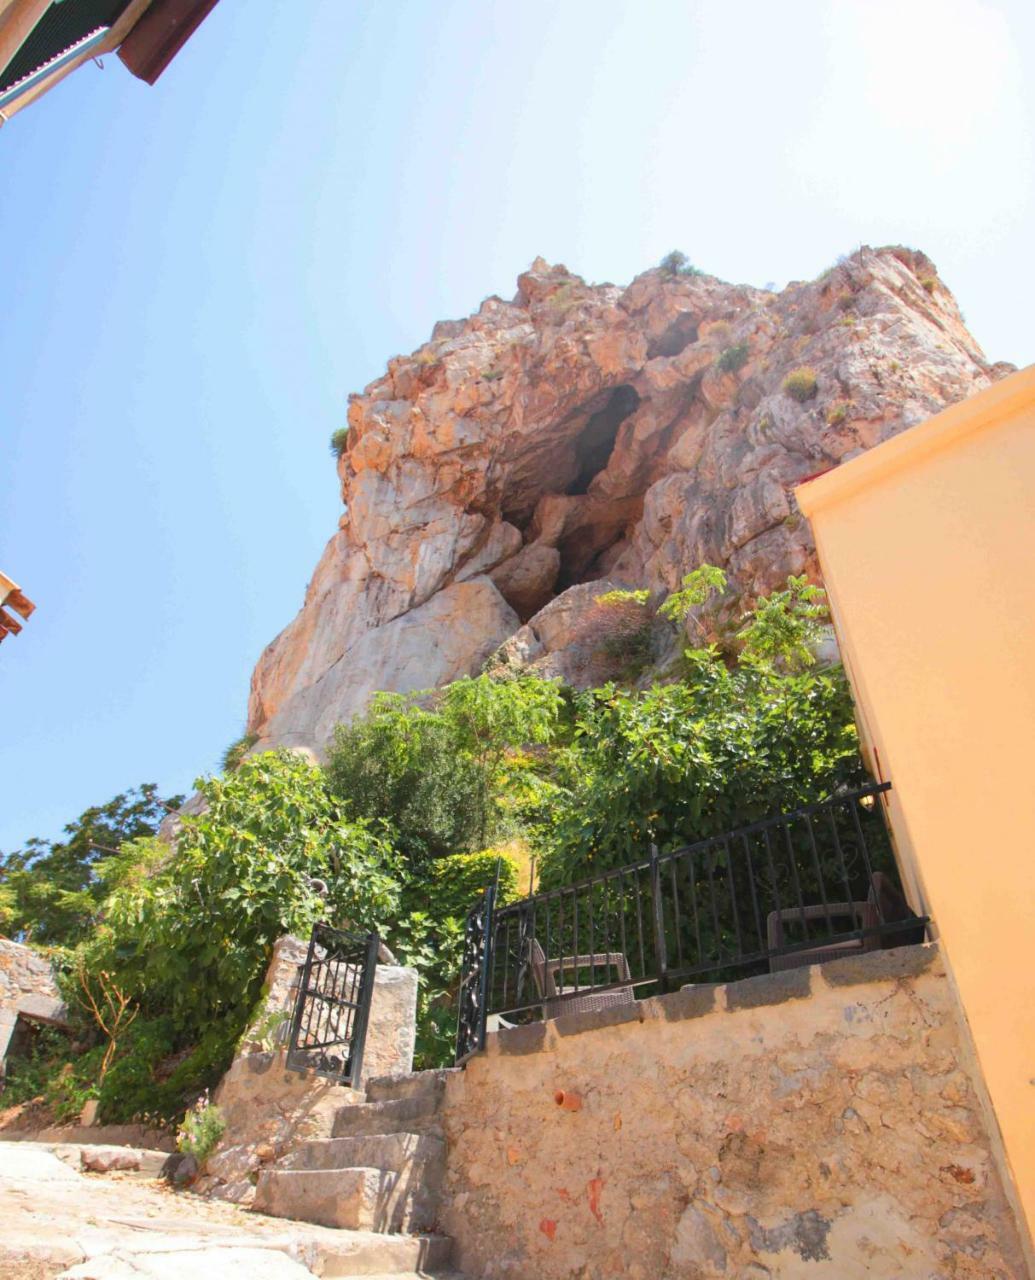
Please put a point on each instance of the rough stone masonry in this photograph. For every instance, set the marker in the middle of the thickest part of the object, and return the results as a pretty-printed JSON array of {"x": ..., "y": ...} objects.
[{"x": 818, "y": 1124}]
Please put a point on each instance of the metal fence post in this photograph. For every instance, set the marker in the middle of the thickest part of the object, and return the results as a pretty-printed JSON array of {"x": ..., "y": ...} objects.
[
  {"x": 366, "y": 996},
  {"x": 658, "y": 919},
  {"x": 483, "y": 977}
]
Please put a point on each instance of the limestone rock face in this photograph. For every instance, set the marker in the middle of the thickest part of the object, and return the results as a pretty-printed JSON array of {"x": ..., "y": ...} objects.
[{"x": 587, "y": 432}]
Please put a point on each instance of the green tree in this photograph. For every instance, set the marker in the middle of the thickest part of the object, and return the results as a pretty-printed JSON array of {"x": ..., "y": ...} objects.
[
  {"x": 733, "y": 742},
  {"x": 430, "y": 763},
  {"x": 50, "y": 890},
  {"x": 193, "y": 940}
]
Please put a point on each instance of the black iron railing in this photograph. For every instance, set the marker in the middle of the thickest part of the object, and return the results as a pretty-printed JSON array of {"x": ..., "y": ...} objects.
[
  {"x": 799, "y": 888},
  {"x": 332, "y": 1006}
]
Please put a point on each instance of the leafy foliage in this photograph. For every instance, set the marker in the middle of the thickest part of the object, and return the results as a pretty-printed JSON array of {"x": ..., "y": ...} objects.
[
  {"x": 202, "y": 1127},
  {"x": 698, "y": 589},
  {"x": 190, "y": 940},
  {"x": 785, "y": 626},
  {"x": 684, "y": 761},
  {"x": 339, "y": 441},
  {"x": 429, "y": 763},
  {"x": 52, "y": 889},
  {"x": 429, "y": 938}
]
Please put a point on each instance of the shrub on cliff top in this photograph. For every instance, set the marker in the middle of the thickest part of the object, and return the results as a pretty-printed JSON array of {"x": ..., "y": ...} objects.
[
  {"x": 677, "y": 263},
  {"x": 801, "y": 384},
  {"x": 339, "y": 441}
]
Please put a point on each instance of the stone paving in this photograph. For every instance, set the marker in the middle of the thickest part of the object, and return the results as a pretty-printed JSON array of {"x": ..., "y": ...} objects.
[{"x": 58, "y": 1221}]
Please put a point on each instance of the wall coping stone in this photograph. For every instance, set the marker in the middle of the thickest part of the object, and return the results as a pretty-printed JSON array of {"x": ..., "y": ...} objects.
[{"x": 733, "y": 997}]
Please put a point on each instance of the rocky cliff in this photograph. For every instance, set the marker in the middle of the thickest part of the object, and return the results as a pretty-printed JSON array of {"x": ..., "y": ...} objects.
[{"x": 595, "y": 434}]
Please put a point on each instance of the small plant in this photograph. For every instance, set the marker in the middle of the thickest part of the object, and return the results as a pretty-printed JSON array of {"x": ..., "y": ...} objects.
[
  {"x": 269, "y": 1032},
  {"x": 930, "y": 283},
  {"x": 677, "y": 263},
  {"x": 837, "y": 412},
  {"x": 108, "y": 1004},
  {"x": 801, "y": 384},
  {"x": 202, "y": 1127},
  {"x": 848, "y": 320},
  {"x": 623, "y": 597},
  {"x": 339, "y": 441},
  {"x": 733, "y": 358},
  {"x": 492, "y": 375},
  {"x": 233, "y": 756},
  {"x": 697, "y": 590}
]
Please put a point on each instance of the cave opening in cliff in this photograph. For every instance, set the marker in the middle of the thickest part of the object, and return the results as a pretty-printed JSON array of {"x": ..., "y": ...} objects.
[
  {"x": 596, "y": 441},
  {"x": 676, "y": 338}
]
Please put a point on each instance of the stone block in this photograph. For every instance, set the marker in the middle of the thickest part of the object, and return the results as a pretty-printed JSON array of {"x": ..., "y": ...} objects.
[{"x": 769, "y": 988}]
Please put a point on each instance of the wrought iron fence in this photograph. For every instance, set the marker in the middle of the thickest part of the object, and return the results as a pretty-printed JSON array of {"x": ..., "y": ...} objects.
[
  {"x": 798, "y": 888},
  {"x": 332, "y": 1007}
]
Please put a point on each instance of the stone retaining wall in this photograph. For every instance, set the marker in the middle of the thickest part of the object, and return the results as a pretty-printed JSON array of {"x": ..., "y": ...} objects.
[
  {"x": 817, "y": 1123},
  {"x": 27, "y": 987},
  {"x": 269, "y": 1109}
]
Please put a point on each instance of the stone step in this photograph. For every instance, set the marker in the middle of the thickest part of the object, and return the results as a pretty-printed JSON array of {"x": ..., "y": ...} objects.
[
  {"x": 396, "y": 1115},
  {"x": 375, "y": 1255},
  {"x": 418, "y": 1084},
  {"x": 395, "y": 1151},
  {"x": 357, "y": 1199}
]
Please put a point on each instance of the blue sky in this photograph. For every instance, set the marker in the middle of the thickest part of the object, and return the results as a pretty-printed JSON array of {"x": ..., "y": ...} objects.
[{"x": 198, "y": 274}]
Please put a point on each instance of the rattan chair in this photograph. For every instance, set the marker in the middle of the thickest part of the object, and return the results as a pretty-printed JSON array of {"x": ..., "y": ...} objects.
[
  {"x": 884, "y": 905},
  {"x": 561, "y": 997},
  {"x": 861, "y": 914}
]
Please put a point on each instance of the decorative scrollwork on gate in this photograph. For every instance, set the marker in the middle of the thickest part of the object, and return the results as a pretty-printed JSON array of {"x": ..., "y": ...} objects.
[
  {"x": 332, "y": 1008},
  {"x": 474, "y": 984}
]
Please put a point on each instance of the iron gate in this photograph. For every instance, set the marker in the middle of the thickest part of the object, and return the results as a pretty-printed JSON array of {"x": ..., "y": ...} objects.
[
  {"x": 329, "y": 1027},
  {"x": 474, "y": 982}
]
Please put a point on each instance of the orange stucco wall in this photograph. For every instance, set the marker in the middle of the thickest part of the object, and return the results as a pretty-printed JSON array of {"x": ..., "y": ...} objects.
[{"x": 927, "y": 545}]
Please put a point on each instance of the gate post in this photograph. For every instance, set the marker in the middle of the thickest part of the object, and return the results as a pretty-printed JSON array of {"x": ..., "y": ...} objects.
[{"x": 658, "y": 919}]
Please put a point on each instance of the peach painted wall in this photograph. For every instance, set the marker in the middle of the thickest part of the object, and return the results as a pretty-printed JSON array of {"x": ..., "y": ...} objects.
[{"x": 927, "y": 545}]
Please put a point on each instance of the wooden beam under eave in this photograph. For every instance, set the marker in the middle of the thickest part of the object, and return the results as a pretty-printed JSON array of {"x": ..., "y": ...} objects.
[{"x": 9, "y": 623}]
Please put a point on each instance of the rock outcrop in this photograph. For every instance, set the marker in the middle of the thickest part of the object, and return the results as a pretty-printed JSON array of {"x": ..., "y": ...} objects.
[{"x": 582, "y": 433}]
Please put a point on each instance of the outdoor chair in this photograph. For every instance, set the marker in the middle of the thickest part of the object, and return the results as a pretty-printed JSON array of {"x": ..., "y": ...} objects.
[
  {"x": 860, "y": 915},
  {"x": 556, "y": 991},
  {"x": 884, "y": 905}
]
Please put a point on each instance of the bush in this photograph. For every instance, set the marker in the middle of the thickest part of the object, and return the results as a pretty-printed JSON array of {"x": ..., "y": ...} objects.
[
  {"x": 29, "y": 1074},
  {"x": 837, "y": 413},
  {"x": 429, "y": 938},
  {"x": 237, "y": 750},
  {"x": 734, "y": 743},
  {"x": 452, "y": 885},
  {"x": 339, "y": 441},
  {"x": 431, "y": 770},
  {"x": 677, "y": 263},
  {"x": 192, "y": 941},
  {"x": 733, "y": 358},
  {"x": 201, "y": 1130},
  {"x": 930, "y": 283},
  {"x": 800, "y": 384}
]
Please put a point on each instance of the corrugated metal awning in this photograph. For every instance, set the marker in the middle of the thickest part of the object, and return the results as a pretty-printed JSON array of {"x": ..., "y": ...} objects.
[{"x": 65, "y": 26}]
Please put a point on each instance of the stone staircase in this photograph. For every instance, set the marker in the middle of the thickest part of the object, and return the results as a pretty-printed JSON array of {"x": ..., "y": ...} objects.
[{"x": 380, "y": 1172}]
